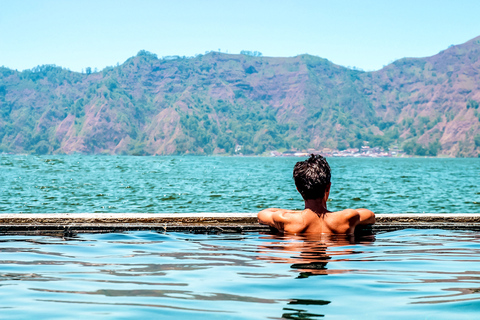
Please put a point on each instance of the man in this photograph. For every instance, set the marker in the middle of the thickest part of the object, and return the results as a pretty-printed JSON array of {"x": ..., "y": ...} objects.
[{"x": 312, "y": 179}]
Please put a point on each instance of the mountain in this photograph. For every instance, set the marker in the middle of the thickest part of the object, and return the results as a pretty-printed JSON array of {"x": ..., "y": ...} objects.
[
  {"x": 218, "y": 103},
  {"x": 432, "y": 99}
]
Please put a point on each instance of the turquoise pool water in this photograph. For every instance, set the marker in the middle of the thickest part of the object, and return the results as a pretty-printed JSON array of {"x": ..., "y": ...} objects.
[{"x": 408, "y": 274}]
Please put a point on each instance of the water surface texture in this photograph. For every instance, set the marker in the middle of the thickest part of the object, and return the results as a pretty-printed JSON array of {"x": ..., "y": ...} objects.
[
  {"x": 69, "y": 184},
  {"x": 407, "y": 274}
]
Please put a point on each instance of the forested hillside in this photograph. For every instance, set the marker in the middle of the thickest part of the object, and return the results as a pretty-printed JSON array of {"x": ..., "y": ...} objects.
[{"x": 213, "y": 103}]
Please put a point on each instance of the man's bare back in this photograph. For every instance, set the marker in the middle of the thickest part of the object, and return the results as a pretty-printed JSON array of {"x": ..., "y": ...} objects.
[
  {"x": 312, "y": 179},
  {"x": 307, "y": 221}
]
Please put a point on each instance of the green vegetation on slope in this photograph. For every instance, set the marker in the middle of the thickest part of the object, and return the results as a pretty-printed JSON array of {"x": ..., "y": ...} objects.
[{"x": 219, "y": 103}]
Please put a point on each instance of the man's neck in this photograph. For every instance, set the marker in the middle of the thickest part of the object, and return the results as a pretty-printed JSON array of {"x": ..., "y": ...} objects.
[{"x": 318, "y": 206}]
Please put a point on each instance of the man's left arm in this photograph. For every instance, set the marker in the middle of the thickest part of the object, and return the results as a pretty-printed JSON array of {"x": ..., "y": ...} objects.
[
  {"x": 366, "y": 216},
  {"x": 266, "y": 216},
  {"x": 283, "y": 220}
]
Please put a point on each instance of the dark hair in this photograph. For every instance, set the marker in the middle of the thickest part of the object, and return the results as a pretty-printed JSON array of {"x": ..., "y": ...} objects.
[{"x": 312, "y": 177}]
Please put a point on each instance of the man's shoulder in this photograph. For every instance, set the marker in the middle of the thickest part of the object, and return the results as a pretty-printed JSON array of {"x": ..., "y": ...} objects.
[
  {"x": 284, "y": 220},
  {"x": 279, "y": 214},
  {"x": 346, "y": 213},
  {"x": 356, "y": 216}
]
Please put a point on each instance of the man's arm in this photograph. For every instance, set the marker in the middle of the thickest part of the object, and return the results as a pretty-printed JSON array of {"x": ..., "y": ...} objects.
[
  {"x": 355, "y": 217},
  {"x": 265, "y": 216},
  {"x": 281, "y": 219},
  {"x": 366, "y": 216}
]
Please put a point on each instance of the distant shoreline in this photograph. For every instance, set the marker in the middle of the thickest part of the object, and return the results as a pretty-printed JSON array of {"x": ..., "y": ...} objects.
[{"x": 222, "y": 155}]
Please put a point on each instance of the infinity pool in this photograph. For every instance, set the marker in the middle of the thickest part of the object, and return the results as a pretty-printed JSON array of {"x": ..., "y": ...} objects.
[{"x": 408, "y": 274}]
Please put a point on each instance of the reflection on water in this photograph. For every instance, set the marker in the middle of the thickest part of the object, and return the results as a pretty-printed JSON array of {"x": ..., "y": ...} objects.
[
  {"x": 295, "y": 313},
  {"x": 309, "y": 254},
  {"x": 398, "y": 275}
]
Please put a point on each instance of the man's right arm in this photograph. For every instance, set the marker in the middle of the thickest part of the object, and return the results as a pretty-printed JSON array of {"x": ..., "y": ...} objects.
[{"x": 355, "y": 217}]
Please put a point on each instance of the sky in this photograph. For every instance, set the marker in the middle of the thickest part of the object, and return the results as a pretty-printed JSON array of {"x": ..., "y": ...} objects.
[{"x": 367, "y": 34}]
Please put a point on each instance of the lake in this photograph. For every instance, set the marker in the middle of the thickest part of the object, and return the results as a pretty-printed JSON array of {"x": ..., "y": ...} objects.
[{"x": 114, "y": 184}]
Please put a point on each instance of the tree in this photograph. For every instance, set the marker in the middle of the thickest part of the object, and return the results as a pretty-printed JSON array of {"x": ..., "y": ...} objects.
[
  {"x": 434, "y": 147},
  {"x": 42, "y": 147},
  {"x": 472, "y": 104},
  {"x": 148, "y": 54},
  {"x": 251, "y": 53},
  {"x": 342, "y": 145},
  {"x": 476, "y": 139},
  {"x": 409, "y": 147}
]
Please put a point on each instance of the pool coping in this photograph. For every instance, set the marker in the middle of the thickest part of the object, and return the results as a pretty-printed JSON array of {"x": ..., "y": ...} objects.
[{"x": 71, "y": 223}]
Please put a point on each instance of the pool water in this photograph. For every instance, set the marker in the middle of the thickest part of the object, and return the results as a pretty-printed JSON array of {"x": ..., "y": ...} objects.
[{"x": 407, "y": 274}]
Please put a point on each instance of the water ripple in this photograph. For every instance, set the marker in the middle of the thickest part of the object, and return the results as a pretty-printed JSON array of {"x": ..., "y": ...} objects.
[{"x": 43, "y": 184}]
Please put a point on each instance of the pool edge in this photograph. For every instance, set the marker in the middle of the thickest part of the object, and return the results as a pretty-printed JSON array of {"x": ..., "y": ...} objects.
[{"x": 71, "y": 223}]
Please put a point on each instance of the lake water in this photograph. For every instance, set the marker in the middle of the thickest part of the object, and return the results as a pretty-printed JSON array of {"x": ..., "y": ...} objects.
[
  {"x": 406, "y": 274},
  {"x": 77, "y": 184}
]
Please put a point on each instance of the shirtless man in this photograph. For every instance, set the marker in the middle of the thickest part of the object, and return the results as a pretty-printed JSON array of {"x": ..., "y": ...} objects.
[{"x": 312, "y": 179}]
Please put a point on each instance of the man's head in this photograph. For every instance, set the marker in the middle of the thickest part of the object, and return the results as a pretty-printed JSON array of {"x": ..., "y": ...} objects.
[{"x": 312, "y": 177}]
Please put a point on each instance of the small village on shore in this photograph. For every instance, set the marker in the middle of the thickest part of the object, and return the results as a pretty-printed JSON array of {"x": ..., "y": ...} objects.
[{"x": 364, "y": 151}]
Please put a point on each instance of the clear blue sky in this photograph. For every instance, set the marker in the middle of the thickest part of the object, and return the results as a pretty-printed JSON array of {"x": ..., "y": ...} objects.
[{"x": 99, "y": 33}]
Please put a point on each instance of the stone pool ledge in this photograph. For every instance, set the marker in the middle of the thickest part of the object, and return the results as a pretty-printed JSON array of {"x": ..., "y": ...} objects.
[{"x": 72, "y": 223}]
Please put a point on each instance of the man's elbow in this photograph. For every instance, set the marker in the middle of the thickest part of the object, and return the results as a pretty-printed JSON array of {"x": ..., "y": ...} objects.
[
  {"x": 371, "y": 219},
  {"x": 264, "y": 217},
  {"x": 366, "y": 216}
]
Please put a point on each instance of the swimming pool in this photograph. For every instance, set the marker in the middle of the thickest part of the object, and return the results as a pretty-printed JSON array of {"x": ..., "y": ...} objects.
[{"x": 405, "y": 274}]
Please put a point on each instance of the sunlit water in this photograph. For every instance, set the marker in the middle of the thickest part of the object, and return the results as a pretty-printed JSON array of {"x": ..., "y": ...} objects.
[
  {"x": 49, "y": 184},
  {"x": 408, "y": 274}
]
